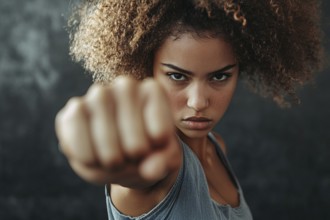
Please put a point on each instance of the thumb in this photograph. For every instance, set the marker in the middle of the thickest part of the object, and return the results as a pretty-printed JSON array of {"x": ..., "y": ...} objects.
[
  {"x": 155, "y": 167},
  {"x": 159, "y": 164}
]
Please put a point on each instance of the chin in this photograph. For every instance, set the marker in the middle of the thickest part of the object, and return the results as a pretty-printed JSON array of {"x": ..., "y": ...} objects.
[{"x": 192, "y": 134}]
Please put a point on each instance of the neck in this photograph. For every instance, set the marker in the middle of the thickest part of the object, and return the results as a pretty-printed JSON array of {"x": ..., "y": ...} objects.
[{"x": 197, "y": 145}]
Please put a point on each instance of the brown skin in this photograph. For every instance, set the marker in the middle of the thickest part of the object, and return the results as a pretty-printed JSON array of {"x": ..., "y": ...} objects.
[
  {"x": 122, "y": 135},
  {"x": 200, "y": 90},
  {"x": 93, "y": 133},
  {"x": 125, "y": 134}
]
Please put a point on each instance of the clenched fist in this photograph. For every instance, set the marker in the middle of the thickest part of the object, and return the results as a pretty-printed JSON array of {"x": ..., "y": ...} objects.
[{"x": 121, "y": 134}]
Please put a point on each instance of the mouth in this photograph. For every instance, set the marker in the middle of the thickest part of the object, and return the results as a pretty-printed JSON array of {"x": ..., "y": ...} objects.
[
  {"x": 197, "y": 123},
  {"x": 197, "y": 119}
]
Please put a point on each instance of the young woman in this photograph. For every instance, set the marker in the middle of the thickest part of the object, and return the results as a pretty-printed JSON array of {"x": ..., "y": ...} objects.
[{"x": 165, "y": 73}]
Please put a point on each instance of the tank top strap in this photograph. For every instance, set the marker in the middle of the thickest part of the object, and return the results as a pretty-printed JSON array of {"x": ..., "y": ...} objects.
[{"x": 224, "y": 159}]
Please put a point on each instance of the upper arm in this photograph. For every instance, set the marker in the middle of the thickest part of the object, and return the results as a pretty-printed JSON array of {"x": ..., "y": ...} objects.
[{"x": 135, "y": 202}]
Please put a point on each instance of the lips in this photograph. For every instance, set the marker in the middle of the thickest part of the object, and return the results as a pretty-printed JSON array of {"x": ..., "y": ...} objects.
[{"x": 197, "y": 123}]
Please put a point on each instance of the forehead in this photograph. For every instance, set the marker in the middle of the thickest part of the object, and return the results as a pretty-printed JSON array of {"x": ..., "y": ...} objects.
[{"x": 189, "y": 50}]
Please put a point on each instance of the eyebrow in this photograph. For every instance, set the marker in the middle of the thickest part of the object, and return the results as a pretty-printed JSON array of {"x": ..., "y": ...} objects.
[{"x": 228, "y": 67}]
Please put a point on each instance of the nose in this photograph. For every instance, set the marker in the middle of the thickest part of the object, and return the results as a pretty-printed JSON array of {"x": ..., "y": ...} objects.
[{"x": 197, "y": 97}]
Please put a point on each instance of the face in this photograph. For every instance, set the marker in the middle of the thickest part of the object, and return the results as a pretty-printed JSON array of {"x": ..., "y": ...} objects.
[{"x": 199, "y": 76}]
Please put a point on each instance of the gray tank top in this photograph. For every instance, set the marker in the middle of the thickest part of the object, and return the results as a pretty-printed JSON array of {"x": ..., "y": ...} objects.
[{"x": 189, "y": 197}]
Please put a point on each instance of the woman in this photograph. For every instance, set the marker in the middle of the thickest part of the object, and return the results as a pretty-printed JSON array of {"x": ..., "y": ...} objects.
[{"x": 165, "y": 73}]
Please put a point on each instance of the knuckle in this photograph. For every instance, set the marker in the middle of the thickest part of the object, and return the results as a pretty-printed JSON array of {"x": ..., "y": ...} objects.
[
  {"x": 123, "y": 80},
  {"x": 156, "y": 96},
  {"x": 134, "y": 145},
  {"x": 74, "y": 105},
  {"x": 74, "y": 110},
  {"x": 136, "y": 149},
  {"x": 124, "y": 85},
  {"x": 97, "y": 92},
  {"x": 150, "y": 87}
]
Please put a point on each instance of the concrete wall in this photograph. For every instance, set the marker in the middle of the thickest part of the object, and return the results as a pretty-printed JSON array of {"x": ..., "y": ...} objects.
[{"x": 281, "y": 156}]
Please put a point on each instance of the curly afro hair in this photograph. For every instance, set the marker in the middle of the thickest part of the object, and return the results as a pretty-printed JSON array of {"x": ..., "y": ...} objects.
[{"x": 276, "y": 42}]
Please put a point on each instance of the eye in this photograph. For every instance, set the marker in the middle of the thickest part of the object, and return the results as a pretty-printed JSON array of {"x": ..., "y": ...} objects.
[
  {"x": 220, "y": 77},
  {"x": 177, "y": 76}
]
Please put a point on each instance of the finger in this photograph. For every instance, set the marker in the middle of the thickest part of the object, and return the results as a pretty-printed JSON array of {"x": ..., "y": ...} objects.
[
  {"x": 127, "y": 176},
  {"x": 162, "y": 162},
  {"x": 103, "y": 126},
  {"x": 157, "y": 114},
  {"x": 129, "y": 118},
  {"x": 72, "y": 129},
  {"x": 92, "y": 174}
]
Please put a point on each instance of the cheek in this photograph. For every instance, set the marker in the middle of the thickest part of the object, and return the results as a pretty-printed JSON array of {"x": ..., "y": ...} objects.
[
  {"x": 222, "y": 101},
  {"x": 177, "y": 101}
]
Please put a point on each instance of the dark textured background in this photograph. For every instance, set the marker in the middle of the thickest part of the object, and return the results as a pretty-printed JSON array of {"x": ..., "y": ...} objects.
[{"x": 281, "y": 157}]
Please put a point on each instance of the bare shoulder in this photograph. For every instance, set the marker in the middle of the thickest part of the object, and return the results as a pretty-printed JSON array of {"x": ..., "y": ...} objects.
[{"x": 221, "y": 142}]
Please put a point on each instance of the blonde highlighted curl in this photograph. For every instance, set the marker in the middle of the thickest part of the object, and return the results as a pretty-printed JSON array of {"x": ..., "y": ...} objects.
[{"x": 277, "y": 42}]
